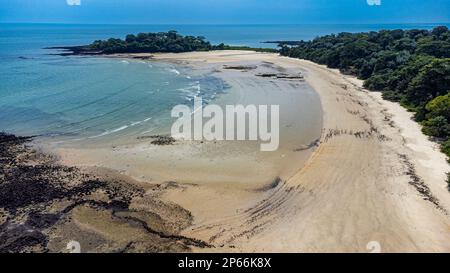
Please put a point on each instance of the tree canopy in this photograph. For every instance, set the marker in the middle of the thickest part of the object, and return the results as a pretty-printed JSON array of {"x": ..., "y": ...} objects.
[
  {"x": 169, "y": 41},
  {"x": 161, "y": 42},
  {"x": 408, "y": 66}
]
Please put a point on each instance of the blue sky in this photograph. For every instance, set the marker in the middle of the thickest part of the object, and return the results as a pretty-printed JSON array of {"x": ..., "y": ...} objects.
[{"x": 224, "y": 11}]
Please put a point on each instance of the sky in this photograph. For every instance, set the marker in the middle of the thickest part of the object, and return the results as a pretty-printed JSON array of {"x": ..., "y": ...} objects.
[{"x": 225, "y": 11}]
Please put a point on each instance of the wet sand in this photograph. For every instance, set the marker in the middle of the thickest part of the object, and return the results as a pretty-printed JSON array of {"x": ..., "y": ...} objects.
[
  {"x": 367, "y": 182},
  {"x": 374, "y": 179},
  {"x": 223, "y": 163}
]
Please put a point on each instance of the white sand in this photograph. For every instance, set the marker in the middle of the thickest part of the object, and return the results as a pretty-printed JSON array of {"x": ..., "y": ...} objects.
[{"x": 356, "y": 187}]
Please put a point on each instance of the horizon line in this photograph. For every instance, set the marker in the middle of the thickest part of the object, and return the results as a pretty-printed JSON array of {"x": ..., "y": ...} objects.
[{"x": 227, "y": 24}]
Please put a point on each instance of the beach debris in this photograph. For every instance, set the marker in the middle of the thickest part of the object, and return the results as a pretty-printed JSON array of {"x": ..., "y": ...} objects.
[
  {"x": 298, "y": 76},
  {"x": 160, "y": 140},
  {"x": 419, "y": 184},
  {"x": 163, "y": 140},
  {"x": 240, "y": 67},
  {"x": 313, "y": 144},
  {"x": 272, "y": 185},
  {"x": 146, "y": 57},
  {"x": 362, "y": 134}
]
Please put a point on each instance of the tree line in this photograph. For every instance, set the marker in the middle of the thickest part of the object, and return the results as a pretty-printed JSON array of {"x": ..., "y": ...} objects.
[
  {"x": 161, "y": 42},
  {"x": 169, "y": 41},
  {"x": 409, "y": 66}
]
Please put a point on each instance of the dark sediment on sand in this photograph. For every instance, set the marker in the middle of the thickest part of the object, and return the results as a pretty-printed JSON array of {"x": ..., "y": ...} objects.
[
  {"x": 281, "y": 76},
  {"x": 160, "y": 140},
  {"x": 45, "y": 205},
  {"x": 240, "y": 67}
]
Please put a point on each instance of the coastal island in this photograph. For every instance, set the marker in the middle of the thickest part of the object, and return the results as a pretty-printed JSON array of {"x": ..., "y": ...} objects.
[{"x": 161, "y": 42}]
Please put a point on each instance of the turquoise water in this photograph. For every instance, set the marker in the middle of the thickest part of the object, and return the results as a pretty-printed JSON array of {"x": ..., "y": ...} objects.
[
  {"x": 94, "y": 97},
  {"x": 91, "y": 98},
  {"x": 79, "y": 98}
]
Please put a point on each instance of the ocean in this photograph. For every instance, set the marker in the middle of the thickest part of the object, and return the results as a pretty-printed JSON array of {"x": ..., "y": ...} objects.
[{"x": 84, "y": 98}]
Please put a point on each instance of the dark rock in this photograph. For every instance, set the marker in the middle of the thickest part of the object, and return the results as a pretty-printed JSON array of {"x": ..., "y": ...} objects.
[{"x": 42, "y": 220}]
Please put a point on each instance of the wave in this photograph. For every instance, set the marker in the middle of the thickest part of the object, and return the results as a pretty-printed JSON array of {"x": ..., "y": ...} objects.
[
  {"x": 110, "y": 131},
  {"x": 173, "y": 70},
  {"x": 148, "y": 131},
  {"x": 192, "y": 90},
  {"x": 139, "y": 122},
  {"x": 121, "y": 128}
]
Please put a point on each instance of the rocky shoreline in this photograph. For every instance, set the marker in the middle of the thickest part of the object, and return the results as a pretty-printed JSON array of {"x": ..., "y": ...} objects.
[
  {"x": 45, "y": 205},
  {"x": 75, "y": 51}
]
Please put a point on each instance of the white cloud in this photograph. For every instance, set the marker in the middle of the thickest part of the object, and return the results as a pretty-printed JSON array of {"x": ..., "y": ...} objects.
[
  {"x": 73, "y": 2},
  {"x": 374, "y": 2}
]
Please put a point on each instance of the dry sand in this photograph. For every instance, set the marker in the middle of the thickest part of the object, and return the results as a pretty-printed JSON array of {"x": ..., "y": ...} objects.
[{"x": 374, "y": 177}]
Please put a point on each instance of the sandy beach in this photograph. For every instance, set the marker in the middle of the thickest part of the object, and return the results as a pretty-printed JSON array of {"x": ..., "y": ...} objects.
[
  {"x": 240, "y": 164},
  {"x": 373, "y": 178}
]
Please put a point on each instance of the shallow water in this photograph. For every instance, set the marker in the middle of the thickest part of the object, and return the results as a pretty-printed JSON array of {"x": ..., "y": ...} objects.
[
  {"x": 99, "y": 100},
  {"x": 76, "y": 98}
]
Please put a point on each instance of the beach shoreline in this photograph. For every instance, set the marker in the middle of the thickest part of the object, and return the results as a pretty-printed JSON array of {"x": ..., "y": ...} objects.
[
  {"x": 374, "y": 177},
  {"x": 221, "y": 163},
  {"x": 364, "y": 183}
]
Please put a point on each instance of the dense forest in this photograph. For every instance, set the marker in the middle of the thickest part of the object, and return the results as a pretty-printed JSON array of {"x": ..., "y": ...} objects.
[
  {"x": 409, "y": 66},
  {"x": 152, "y": 42},
  {"x": 169, "y": 41}
]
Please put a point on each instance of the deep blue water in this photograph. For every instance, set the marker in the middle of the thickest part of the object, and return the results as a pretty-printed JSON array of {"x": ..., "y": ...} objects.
[{"x": 29, "y": 38}]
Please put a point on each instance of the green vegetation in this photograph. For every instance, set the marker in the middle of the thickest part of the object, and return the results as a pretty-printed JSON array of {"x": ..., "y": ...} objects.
[
  {"x": 448, "y": 180},
  {"x": 161, "y": 42},
  {"x": 411, "y": 67},
  {"x": 152, "y": 42},
  {"x": 257, "y": 49}
]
